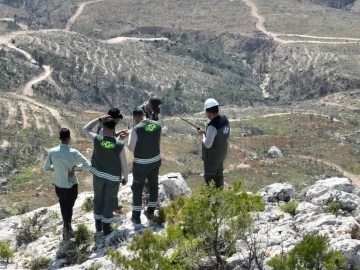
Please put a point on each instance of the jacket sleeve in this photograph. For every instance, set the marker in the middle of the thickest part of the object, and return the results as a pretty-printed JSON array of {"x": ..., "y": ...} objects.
[
  {"x": 48, "y": 164},
  {"x": 132, "y": 140},
  {"x": 88, "y": 129},
  {"x": 124, "y": 166},
  {"x": 82, "y": 162}
]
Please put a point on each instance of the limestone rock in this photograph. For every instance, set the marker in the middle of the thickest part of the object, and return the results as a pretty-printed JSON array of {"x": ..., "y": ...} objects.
[
  {"x": 350, "y": 248},
  {"x": 278, "y": 192},
  {"x": 333, "y": 183},
  {"x": 274, "y": 152},
  {"x": 172, "y": 186},
  {"x": 334, "y": 189},
  {"x": 355, "y": 231}
]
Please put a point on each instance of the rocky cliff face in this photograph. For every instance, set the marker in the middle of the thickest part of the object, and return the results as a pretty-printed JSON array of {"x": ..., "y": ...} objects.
[{"x": 274, "y": 230}]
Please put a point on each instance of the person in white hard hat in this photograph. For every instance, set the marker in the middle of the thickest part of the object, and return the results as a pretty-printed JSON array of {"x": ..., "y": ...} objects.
[{"x": 214, "y": 143}]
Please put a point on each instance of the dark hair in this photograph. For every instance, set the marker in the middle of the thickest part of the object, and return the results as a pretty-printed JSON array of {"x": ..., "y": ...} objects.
[
  {"x": 64, "y": 134},
  {"x": 109, "y": 123},
  {"x": 214, "y": 109},
  {"x": 138, "y": 111},
  {"x": 155, "y": 102},
  {"x": 115, "y": 113}
]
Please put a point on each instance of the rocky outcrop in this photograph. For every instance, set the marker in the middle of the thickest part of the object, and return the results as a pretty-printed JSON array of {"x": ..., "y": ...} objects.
[
  {"x": 274, "y": 231},
  {"x": 278, "y": 193},
  {"x": 334, "y": 189},
  {"x": 50, "y": 244},
  {"x": 274, "y": 152}
]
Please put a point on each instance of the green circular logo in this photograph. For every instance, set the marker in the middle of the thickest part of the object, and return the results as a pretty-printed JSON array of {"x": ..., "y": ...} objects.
[
  {"x": 107, "y": 144},
  {"x": 150, "y": 127}
]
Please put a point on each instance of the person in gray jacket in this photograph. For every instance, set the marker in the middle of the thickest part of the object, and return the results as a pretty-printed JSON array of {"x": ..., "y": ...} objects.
[
  {"x": 214, "y": 143},
  {"x": 64, "y": 161},
  {"x": 144, "y": 141},
  {"x": 108, "y": 161}
]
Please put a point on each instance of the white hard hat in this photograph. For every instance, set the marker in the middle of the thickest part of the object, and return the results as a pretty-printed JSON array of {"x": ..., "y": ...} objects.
[{"x": 210, "y": 102}]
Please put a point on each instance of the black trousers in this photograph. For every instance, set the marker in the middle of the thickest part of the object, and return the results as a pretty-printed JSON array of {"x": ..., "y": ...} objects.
[
  {"x": 141, "y": 172},
  {"x": 67, "y": 198},
  {"x": 214, "y": 172}
]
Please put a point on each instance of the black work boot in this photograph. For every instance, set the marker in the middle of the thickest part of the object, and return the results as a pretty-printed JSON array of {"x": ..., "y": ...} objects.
[
  {"x": 106, "y": 228},
  {"x": 149, "y": 213},
  {"x": 135, "y": 218},
  {"x": 98, "y": 225}
]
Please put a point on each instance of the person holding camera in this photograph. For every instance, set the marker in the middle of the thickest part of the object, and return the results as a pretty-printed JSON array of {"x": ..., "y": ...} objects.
[{"x": 108, "y": 162}]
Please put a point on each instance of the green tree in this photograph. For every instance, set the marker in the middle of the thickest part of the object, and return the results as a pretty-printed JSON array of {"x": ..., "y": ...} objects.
[
  {"x": 41, "y": 61},
  {"x": 204, "y": 227},
  {"x": 5, "y": 251},
  {"x": 312, "y": 253}
]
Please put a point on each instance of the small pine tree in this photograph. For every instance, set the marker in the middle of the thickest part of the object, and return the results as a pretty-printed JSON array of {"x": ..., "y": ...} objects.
[
  {"x": 312, "y": 253},
  {"x": 5, "y": 251},
  {"x": 205, "y": 226}
]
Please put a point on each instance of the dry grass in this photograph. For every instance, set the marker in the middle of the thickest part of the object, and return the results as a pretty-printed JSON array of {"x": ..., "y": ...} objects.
[
  {"x": 295, "y": 17},
  {"x": 211, "y": 16}
]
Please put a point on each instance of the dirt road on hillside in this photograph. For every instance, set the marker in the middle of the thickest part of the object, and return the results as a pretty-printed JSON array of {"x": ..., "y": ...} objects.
[
  {"x": 28, "y": 91},
  {"x": 78, "y": 12},
  {"x": 309, "y": 39},
  {"x": 353, "y": 177},
  {"x": 122, "y": 39},
  {"x": 21, "y": 25}
]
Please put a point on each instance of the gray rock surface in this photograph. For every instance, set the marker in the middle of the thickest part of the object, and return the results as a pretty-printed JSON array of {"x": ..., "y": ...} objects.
[
  {"x": 274, "y": 231},
  {"x": 278, "y": 192},
  {"x": 274, "y": 152}
]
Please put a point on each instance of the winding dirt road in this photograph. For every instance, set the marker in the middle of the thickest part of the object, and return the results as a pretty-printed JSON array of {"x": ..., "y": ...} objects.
[
  {"x": 309, "y": 39},
  {"x": 353, "y": 177},
  {"x": 78, "y": 12},
  {"x": 28, "y": 91}
]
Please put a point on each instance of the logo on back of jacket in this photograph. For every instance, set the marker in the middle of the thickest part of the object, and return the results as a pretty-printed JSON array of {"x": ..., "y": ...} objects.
[
  {"x": 226, "y": 130},
  {"x": 150, "y": 127},
  {"x": 107, "y": 144}
]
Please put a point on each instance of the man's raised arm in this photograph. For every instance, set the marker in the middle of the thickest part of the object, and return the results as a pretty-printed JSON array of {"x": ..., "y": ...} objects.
[{"x": 88, "y": 129}]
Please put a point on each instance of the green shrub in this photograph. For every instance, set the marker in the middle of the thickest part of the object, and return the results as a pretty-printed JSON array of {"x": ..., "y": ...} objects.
[
  {"x": 289, "y": 207},
  {"x": 5, "y": 251},
  {"x": 88, "y": 204},
  {"x": 39, "y": 263},
  {"x": 333, "y": 208},
  {"x": 312, "y": 253},
  {"x": 77, "y": 251},
  {"x": 82, "y": 235},
  {"x": 22, "y": 209},
  {"x": 53, "y": 215},
  {"x": 95, "y": 266},
  {"x": 148, "y": 253},
  {"x": 204, "y": 227},
  {"x": 30, "y": 231}
]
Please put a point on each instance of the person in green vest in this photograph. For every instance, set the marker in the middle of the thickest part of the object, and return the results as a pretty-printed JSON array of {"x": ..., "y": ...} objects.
[
  {"x": 64, "y": 161},
  {"x": 144, "y": 141},
  {"x": 108, "y": 161},
  {"x": 214, "y": 143}
]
